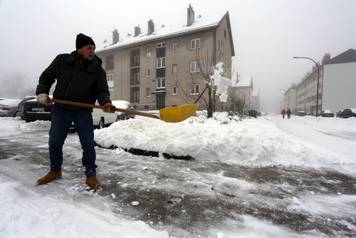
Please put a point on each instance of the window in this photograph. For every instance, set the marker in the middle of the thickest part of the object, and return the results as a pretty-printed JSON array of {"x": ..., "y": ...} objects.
[
  {"x": 195, "y": 43},
  {"x": 160, "y": 83},
  {"x": 109, "y": 62},
  {"x": 174, "y": 47},
  {"x": 136, "y": 78},
  {"x": 194, "y": 89},
  {"x": 110, "y": 79},
  {"x": 194, "y": 67},
  {"x": 161, "y": 63},
  {"x": 148, "y": 52},
  {"x": 174, "y": 68},
  {"x": 148, "y": 72},
  {"x": 136, "y": 60},
  {"x": 148, "y": 92},
  {"x": 174, "y": 90},
  {"x": 161, "y": 45}
]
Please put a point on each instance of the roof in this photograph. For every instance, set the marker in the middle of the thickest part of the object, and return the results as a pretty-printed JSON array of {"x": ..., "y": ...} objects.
[
  {"x": 200, "y": 24},
  {"x": 345, "y": 57}
]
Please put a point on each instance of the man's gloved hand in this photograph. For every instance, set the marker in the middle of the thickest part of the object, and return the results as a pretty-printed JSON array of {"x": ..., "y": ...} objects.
[
  {"x": 43, "y": 98},
  {"x": 108, "y": 107}
]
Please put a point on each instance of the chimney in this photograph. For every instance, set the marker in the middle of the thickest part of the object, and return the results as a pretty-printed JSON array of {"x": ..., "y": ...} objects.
[
  {"x": 115, "y": 36},
  {"x": 151, "y": 27},
  {"x": 137, "y": 30},
  {"x": 190, "y": 16}
]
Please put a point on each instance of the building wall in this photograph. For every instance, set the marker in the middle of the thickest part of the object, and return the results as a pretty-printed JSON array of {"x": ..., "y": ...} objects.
[
  {"x": 215, "y": 46},
  {"x": 290, "y": 99},
  {"x": 306, "y": 93},
  {"x": 339, "y": 86}
]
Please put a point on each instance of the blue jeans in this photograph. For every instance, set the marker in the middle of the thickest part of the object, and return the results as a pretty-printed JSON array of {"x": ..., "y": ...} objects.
[{"x": 62, "y": 118}]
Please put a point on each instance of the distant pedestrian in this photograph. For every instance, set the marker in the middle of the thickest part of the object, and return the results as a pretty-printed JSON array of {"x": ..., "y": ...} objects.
[
  {"x": 288, "y": 113},
  {"x": 283, "y": 112}
]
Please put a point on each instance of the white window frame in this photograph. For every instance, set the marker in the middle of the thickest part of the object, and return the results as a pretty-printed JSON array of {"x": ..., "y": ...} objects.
[
  {"x": 195, "y": 43},
  {"x": 161, "y": 63},
  {"x": 110, "y": 80},
  {"x": 194, "y": 67},
  {"x": 160, "y": 83},
  {"x": 194, "y": 90},
  {"x": 174, "y": 90}
]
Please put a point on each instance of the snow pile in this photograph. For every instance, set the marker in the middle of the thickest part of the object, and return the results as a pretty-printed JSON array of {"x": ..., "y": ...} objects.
[
  {"x": 36, "y": 126},
  {"x": 25, "y": 213},
  {"x": 249, "y": 142}
]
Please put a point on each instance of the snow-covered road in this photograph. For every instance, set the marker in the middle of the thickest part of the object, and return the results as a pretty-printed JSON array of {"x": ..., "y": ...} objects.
[{"x": 253, "y": 178}]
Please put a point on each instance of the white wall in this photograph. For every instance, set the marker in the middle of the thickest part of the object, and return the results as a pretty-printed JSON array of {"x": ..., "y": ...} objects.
[{"x": 339, "y": 86}]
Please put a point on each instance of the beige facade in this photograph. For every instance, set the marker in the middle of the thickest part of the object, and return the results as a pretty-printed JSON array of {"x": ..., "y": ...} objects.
[{"x": 161, "y": 70}]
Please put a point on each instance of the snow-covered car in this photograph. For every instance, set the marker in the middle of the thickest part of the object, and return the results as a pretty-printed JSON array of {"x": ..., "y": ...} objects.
[
  {"x": 347, "y": 112},
  {"x": 327, "y": 113},
  {"x": 102, "y": 119},
  {"x": 8, "y": 107}
]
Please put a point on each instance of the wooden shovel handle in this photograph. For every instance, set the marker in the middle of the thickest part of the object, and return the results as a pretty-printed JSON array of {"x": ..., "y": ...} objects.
[{"x": 91, "y": 106}]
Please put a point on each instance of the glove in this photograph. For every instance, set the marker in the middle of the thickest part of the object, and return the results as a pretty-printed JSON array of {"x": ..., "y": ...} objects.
[
  {"x": 43, "y": 98},
  {"x": 108, "y": 107}
]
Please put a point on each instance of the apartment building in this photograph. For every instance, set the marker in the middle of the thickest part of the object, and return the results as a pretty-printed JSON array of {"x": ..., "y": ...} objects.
[
  {"x": 337, "y": 86},
  {"x": 305, "y": 93},
  {"x": 290, "y": 99},
  {"x": 166, "y": 66}
]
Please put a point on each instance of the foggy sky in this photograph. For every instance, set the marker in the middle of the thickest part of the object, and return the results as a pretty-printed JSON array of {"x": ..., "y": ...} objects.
[{"x": 266, "y": 34}]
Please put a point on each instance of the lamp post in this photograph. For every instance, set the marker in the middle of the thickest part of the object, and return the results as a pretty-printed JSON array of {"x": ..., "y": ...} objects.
[{"x": 317, "y": 83}]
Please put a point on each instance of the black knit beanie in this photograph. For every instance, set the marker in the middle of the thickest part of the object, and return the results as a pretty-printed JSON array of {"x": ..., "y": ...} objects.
[{"x": 83, "y": 40}]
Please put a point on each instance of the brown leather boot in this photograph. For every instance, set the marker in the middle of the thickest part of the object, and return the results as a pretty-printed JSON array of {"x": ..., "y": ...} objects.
[
  {"x": 52, "y": 175},
  {"x": 93, "y": 182}
]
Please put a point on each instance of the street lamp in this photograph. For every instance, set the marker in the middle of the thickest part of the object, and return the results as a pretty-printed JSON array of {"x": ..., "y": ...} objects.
[{"x": 317, "y": 83}]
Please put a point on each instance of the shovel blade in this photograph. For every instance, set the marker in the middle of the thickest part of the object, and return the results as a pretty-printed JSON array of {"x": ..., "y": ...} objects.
[{"x": 179, "y": 113}]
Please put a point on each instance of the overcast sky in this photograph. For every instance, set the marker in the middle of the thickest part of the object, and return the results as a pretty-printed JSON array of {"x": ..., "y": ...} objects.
[{"x": 266, "y": 34}]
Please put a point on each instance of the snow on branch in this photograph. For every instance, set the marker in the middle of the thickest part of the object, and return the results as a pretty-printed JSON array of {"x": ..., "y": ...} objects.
[{"x": 220, "y": 82}]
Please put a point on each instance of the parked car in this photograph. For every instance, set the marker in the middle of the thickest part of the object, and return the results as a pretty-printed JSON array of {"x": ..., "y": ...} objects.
[
  {"x": 253, "y": 113},
  {"x": 300, "y": 113},
  {"x": 8, "y": 107},
  {"x": 347, "y": 112},
  {"x": 102, "y": 119},
  {"x": 20, "y": 107},
  {"x": 33, "y": 111},
  {"x": 327, "y": 113}
]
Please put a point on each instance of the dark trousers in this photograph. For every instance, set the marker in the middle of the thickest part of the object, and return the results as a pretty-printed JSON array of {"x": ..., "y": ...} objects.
[{"x": 62, "y": 118}]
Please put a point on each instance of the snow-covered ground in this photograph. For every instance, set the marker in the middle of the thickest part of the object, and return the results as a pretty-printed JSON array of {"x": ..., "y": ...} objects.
[{"x": 266, "y": 177}]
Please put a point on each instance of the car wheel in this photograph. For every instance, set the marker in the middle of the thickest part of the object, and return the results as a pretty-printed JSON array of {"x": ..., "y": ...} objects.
[{"x": 101, "y": 123}]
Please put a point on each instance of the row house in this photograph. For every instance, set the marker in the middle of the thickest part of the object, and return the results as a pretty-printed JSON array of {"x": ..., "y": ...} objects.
[{"x": 166, "y": 66}]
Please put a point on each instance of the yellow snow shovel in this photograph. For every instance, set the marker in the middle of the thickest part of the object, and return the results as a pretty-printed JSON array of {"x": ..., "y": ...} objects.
[{"x": 169, "y": 114}]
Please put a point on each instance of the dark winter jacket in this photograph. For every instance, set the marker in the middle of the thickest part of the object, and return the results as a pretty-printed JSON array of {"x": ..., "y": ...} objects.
[{"x": 78, "y": 80}]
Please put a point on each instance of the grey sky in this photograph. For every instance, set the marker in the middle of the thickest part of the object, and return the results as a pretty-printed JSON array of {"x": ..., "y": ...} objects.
[{"x": 267, "y": 34}]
